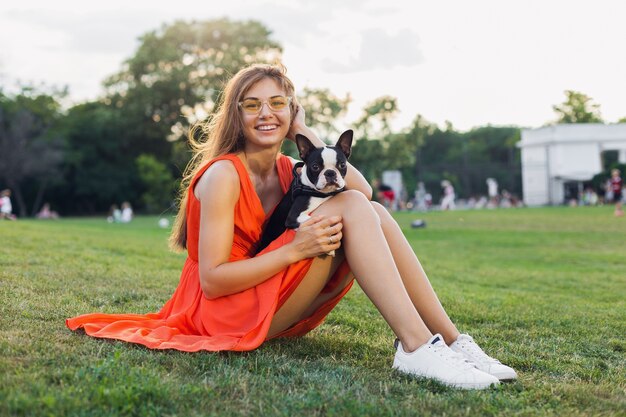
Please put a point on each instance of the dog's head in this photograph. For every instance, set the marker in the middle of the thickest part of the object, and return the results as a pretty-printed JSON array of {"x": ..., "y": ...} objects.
[{"x": 325, "y": 168}]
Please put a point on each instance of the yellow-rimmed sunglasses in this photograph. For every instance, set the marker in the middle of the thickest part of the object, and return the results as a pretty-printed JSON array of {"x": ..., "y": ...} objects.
[{"x": 254, "y": 105}]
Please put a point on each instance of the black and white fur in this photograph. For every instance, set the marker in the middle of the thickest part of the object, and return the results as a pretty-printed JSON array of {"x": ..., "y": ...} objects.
[{"x": 322, "y": 176}]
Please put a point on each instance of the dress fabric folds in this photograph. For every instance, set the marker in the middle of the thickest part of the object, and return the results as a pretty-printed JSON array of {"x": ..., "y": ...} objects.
[{"x": 189, "y": 321}]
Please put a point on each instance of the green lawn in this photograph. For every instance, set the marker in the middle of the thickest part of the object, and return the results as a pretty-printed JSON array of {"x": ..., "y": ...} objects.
[{"x": 544, "y": 290}]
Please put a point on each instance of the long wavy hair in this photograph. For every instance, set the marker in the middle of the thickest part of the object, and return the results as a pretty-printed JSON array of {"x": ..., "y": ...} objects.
[{"x": 222, "y": 133}]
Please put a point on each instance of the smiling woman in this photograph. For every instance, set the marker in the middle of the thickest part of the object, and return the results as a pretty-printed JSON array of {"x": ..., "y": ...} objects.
[{"x": 232, "y": 298}]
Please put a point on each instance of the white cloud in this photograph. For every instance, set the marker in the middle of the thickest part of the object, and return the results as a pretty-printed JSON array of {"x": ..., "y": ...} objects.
[{"x": 379, "y": 50}]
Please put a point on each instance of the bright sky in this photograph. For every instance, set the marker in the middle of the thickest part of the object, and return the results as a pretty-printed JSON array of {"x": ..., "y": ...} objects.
[{"x": 469, "y": 62}]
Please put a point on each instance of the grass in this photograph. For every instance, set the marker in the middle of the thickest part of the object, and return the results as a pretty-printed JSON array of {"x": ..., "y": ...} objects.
[{"x": 544, "y": 290}]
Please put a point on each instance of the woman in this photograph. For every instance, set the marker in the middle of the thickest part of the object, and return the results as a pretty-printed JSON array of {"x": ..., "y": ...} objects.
[
  {"x": 615, "y": 184},
  {"x": 229, "y": 299}
]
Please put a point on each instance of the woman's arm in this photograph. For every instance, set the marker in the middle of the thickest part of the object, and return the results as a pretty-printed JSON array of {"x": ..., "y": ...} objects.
[
  {"x": 354, "y": 179},
  {"x": 218, "y": 191}
]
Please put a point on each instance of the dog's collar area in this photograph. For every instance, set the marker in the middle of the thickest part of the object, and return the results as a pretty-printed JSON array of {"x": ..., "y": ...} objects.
[{"x": 298, "y": 189}]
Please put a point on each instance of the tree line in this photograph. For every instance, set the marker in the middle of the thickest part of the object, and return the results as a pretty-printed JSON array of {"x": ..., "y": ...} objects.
[{"x": 130, "y": 144}]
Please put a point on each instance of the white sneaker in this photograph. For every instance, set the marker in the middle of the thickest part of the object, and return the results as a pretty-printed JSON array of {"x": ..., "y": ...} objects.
[
  {"x": 466, "y": 346},
  {"x": 437, "y": 361}
]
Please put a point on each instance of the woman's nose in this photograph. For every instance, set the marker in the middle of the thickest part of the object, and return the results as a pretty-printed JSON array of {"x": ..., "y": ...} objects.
[{"x": 265, "y": 110}]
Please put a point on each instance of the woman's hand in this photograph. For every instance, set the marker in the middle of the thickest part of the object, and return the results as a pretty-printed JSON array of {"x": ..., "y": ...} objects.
[
  {"x": 317, "y": 236},
  {"x": 298, "y": 124}
]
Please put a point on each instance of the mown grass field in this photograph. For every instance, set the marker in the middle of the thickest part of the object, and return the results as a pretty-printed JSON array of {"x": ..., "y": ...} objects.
[{"x": 544, "y": 290}]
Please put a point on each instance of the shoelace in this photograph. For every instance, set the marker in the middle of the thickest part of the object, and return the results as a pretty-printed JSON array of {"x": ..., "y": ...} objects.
[
  {"x": 476, "y": 352},
  {"x": 451, "y": 356}
]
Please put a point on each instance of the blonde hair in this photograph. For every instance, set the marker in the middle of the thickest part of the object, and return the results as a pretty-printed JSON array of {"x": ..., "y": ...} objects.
[{"x": 222, "y": 133}]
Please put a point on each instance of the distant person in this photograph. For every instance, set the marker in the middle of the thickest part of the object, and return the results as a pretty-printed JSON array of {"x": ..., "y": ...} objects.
[
  {"x": 127, "y": 212},
  {"x": 447, "y": 201},
  {"x": 590, "y": 197},
  {"x": 492, "y": 192},
  {"x": 47, "y": 213},
  {"x": 505, "y": 200},
  {"x": 115, "y": 214},
  {"x": 608, "y": 191},
  {"x": 616, "y": 184},
  {"x": 481, "y": 203},
  {"x": 231, "y": 298},
  {"x": 6, "y": 208},
  {"x": 420, "y": 197},
  {"x": 428, "y": 200},
  {"x": 385, "y": 195}
]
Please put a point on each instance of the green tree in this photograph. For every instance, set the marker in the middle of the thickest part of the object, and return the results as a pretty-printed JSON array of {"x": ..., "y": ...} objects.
[
  {"x": 173, "y": 79},
  {"x": 99, "y": 168},
  {"x": 178, "y": 72},
  {"x": 322, "y": 109},
  {"x": 577, "y": 108},
  {"x": 403, "y": 150},
  {"x": 158, "y": 183},
  {"x": 376, "y": 118},
  {"x": 372, "y": 132},
  {"x": 368, "y": 157},
  {"x": 30, "y": 150}
]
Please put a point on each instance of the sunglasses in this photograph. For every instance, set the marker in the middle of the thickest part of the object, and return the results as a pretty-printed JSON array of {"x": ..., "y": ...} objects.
[{"x": 254, "y": 105}]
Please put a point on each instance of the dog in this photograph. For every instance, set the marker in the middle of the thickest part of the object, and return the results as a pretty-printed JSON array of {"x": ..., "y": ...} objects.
[{"x": 321, "y": 177}]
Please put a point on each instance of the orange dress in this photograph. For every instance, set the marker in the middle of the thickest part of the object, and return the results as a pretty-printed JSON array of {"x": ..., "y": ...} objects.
[{"x": 189, "y": 321}]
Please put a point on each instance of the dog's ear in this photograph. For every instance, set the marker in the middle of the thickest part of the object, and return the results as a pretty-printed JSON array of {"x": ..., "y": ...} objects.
[
  {"x": 304, "y": 146},
  {"x": 345, "y": 142}
]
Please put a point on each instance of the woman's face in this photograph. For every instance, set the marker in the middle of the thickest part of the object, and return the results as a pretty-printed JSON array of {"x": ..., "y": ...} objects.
[{"x": 267, "y": 127}]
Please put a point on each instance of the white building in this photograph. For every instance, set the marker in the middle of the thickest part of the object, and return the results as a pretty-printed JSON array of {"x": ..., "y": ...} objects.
[{"x": 554, "y": 157}]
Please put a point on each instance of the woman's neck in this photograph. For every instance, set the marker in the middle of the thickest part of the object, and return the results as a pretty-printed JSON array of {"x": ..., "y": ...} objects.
[{"x": 260, "y": 162}]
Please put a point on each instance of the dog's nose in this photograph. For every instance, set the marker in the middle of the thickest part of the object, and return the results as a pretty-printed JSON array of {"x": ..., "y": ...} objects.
[{"x": 330, "y": 175}]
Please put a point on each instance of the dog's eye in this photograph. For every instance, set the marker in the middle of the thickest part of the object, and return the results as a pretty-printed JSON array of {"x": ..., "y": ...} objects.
[
  {"x": 315, "y": 167},
  {"x": 342, "y": 165}
]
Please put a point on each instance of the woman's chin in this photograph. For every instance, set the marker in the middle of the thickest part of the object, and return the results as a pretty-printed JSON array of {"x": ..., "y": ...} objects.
[{"x": 266, "y": 139}]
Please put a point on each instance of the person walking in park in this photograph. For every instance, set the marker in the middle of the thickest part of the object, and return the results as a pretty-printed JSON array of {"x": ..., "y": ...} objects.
[{"x": 230, "y": 298}]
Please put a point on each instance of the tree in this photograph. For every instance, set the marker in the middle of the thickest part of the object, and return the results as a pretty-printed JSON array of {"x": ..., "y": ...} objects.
[
  {"x": 322, "y": 109},
  {"x": 578, "y": 108},
  {"x": 157, "y": 181},
  {"x": 377, "y": 115},
  {"x": 173, "y": 79},
  {"x": 29, "y": 149},
  {"x": 178, "y": 72},
  {"x": 99, "y": 168},
  {"x": 372, "y": 129}
]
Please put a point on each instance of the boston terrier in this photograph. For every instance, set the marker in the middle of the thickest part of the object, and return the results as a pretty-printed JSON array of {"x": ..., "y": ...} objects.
[{"x": 321, "y": 177}]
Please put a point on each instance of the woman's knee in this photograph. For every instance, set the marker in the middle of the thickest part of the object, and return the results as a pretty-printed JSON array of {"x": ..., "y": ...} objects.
[
  {"x": 383, "y": 213},
  {"x": 354, "y": 202},
  {"x": 353, "y": 198},
  {"x": 349, "y": 204}
]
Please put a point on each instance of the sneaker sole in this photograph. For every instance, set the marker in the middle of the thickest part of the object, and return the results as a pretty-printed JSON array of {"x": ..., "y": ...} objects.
[{"x": 467, "y": 386}]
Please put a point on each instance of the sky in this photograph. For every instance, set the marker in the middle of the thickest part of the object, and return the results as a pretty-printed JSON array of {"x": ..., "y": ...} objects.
[{"x": 471, "y": 63}]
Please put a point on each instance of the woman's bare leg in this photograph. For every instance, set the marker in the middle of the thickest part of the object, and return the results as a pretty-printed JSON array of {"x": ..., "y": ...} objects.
[
  {"x": 299, "y": 303},
  {"x": 372, "y": 263},
  {"x": 415, "y": 280}
]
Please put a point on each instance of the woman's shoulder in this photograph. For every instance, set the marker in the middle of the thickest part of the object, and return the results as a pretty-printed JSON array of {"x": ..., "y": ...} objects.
[{"x": 221, "y": 175}]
